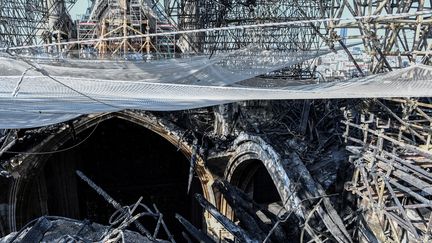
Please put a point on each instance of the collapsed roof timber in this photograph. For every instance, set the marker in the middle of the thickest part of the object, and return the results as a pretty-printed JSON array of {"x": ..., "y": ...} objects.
[
  {"x": 281, "y": 175},
  {"x": 97, "y": 145}
]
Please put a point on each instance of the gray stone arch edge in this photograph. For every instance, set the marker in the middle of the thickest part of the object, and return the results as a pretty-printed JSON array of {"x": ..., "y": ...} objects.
[
  {"x": 163, "y": 128},
  {"x": 247, "y": 147}
]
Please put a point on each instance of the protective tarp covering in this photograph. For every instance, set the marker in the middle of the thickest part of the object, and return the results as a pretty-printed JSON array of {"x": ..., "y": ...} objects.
[
  {"x": 223, "y": 69},
  {"x": 42, "y": 92}
]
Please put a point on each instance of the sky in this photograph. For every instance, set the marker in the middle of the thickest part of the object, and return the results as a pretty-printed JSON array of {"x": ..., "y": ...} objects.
[{"x": 79, "y": 8}]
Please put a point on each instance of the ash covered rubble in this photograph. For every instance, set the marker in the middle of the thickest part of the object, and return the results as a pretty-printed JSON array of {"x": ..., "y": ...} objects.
[
  {"x": 273, "y": 171},
  {"x": 355, "y": 170},
  {"x": 57, "y": 229},
  {"x": 61, "y": 229}
]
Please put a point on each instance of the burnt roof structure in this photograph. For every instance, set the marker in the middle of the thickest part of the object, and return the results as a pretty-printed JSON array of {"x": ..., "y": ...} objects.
[{"x": 210, "y": 121}]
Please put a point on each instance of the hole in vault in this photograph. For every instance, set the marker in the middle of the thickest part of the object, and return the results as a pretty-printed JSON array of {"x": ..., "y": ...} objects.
[{"x": 127, "y": 161}]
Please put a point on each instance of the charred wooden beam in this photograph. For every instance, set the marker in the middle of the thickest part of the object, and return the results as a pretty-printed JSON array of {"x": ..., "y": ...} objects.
[
  {"x": 186, "y": 237},
  {"x": 238, "y": 232},
  {"x": 111, "y": 201},
  {"x": 246, "y": 210},
  {"x": 310, "y": 189},
  {"x": 392, "y": 162},
  {"x": 196, "y": 233}
]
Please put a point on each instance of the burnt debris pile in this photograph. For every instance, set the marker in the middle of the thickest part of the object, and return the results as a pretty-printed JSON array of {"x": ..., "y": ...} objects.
[{"x": 258, "y": 171}]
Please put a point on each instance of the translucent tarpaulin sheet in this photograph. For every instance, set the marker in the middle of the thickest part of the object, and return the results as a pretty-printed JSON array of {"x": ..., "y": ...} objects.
[
  {"x": 76, "y": 88},
  {"x": 224, "y": 69}
]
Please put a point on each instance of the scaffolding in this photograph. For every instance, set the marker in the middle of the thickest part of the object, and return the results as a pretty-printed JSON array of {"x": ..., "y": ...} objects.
[
  {"x": 390, "y": 141},
  {"x": 389, "y": 42},
  {"x": 201, "y": 14},
  {"x": 198, "y": 14},
  {"x": 153, "y": 16},
  {"x": 391, "y": 154},
  {"x": 123, "y": 18},
  {"x": 22, "y": 21},
  {"x": 28, "y": 22}
]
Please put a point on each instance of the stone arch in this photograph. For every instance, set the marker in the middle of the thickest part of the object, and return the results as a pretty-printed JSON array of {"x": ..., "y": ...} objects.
[
  {"x": 168, "y": 131},
  {"x": 247, "y": 149}
]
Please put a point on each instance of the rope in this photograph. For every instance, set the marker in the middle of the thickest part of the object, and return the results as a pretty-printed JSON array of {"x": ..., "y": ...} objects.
[
  {"x": 237, "y": 27},
  {"x": 46, "y": 74},
  {"x": 18, "y": 85}
]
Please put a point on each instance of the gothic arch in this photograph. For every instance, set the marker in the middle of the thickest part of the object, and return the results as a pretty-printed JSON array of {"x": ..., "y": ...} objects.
[{"x": 161, "y": 127}]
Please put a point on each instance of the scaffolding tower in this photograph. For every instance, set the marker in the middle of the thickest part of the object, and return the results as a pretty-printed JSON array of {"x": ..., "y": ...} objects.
[
  {"x": 199, "y": 14},
  {"x": 390, "y": 42},
  {"x": 28, "y": 22},
  {"x": 390, "y": 142},
  {"x": 21, "y": 21},
  {"x": 122, "y": 19}
]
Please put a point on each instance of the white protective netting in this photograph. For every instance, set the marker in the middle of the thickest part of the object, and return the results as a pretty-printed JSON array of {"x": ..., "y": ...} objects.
[
  {"x": 221, "y": 70},
  {"x": 73, "y": 88}
]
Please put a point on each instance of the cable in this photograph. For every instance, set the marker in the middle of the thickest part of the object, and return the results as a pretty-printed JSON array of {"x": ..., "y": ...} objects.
[
  {"x": 273, "y": 24},
  {"x": 46, "y": 74},
  {"x": 61, "y": 150}
]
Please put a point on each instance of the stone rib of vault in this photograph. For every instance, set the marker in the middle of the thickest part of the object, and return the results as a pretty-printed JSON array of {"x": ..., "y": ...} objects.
[{"x": 173, "y": 85}]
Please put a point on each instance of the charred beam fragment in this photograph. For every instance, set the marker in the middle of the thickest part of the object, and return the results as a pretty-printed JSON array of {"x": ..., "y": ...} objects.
[
  {"x": 37, "y": 232},
  {"x": 246, "y": 210},
  {"x": 311, "y": 189},
  {"x": 186, "y": 237},
  {"x": 196, "y": 233},
  {"x": 111, "y": 201},
  {"x": 238, "y": 232},
  {"x": 252, "y": 224}
]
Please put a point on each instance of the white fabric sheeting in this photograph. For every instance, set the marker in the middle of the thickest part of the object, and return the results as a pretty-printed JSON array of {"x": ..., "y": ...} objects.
[{"x": 42, "y": 101}]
